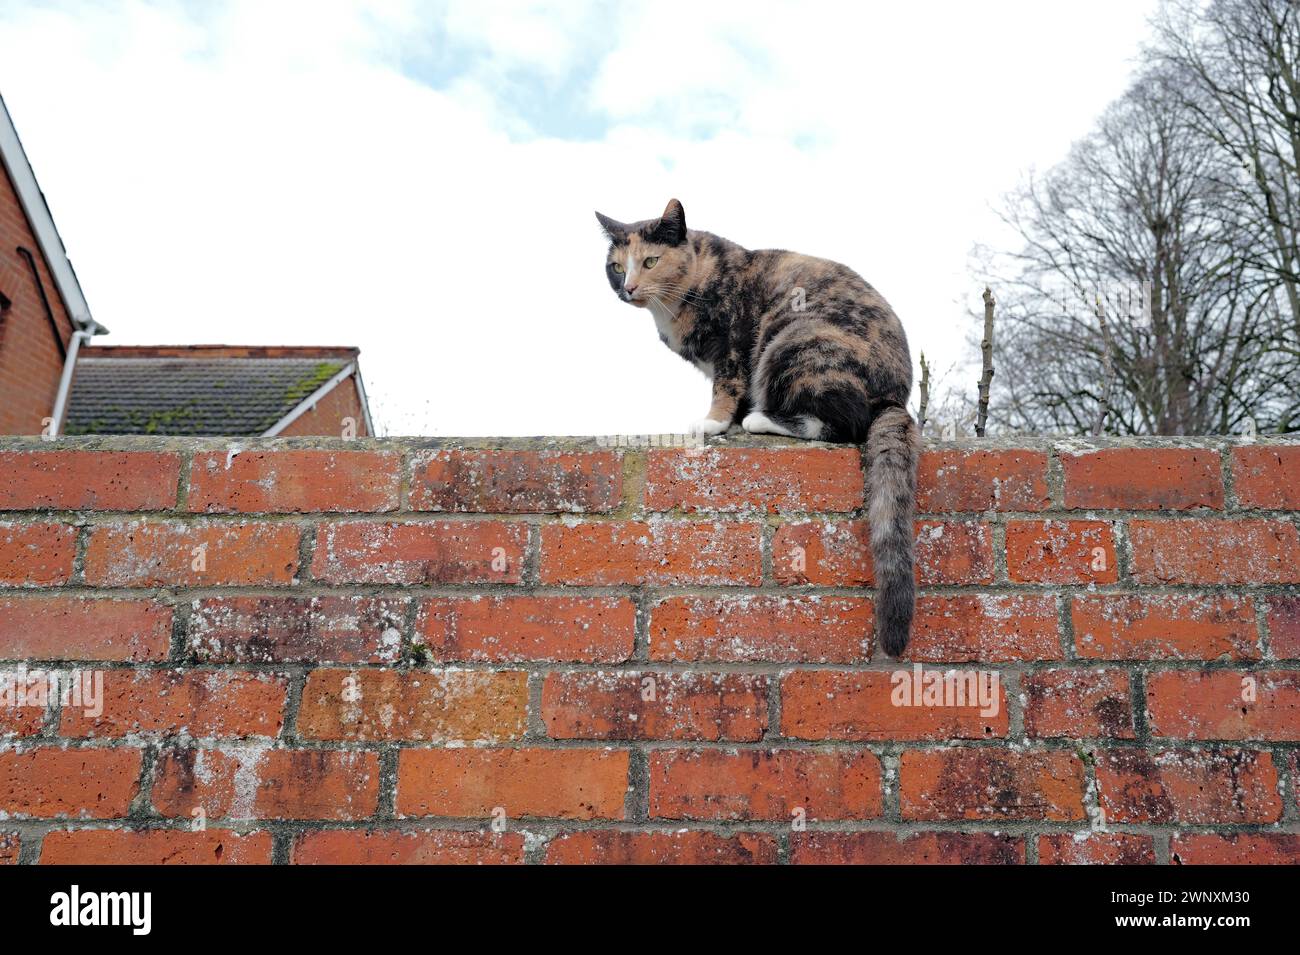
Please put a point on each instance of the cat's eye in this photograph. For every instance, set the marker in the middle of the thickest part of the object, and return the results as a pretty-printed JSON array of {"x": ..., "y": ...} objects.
[
  {"x": 617, "y": 267},
  {"x": 650, "y": 262}
]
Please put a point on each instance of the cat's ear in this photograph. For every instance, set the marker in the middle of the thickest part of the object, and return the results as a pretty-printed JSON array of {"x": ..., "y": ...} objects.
[
  {"x": 671, "y": 228},
  {"x": 614, "y": 229}
]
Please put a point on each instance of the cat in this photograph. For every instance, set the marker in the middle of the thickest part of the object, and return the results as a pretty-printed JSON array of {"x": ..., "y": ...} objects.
[{"x": 795, "y": 346}]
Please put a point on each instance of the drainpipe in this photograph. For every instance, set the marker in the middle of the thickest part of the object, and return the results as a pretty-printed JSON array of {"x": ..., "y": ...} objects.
[{"x": 65, "y": 382}]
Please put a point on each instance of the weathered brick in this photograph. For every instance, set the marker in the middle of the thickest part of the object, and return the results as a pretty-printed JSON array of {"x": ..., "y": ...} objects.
[
  {"x": 522, "y": 783},
  {"x": 260, "y": 783},
  {"x": 762, "y": 627},
  {"x": 284, "y": 629},
  {"x": 1242, "y": 848},
  {"x": 880, "y": 705},
  {"x": 764, "y": 784},
  {"x": 839, "y": 554},
  {"x": 990, "y": 628},
  {"x": 88, "y": 480},
  {"x": 955, "y": 480},
  {"x": 918, "y": 848},
  {"x": 1223, "y": 704},
  {"x": 443, "y": 552},
  {"x": 49, "y": 783},
  {"x": 155, "y": 847},
  {"x": 10, "y": 846},
  {"x": 1143, "y": 479},
  {"x": 754, "y": 479},
  {"x": 613, "y": 705},
  {"x": 1078, "y": 704},
  {"x": 294, "y": 481},
  {"x": 158, "y": 553},
  {"x": 684, "y": 847},
  {"x": 516, "y": 482},
  {"x": 664, "y": 553},
  {"x": 1283, "y": 627},
  {"x": 442, "y": 706},
  {"x": 37, "y": 554},
  {"x": 1194, "y": 787},
  {"x": 1061, "y": 552},
  {"x": 1215, "y": 552},
  {"x": 195, "y": 703},
  {"x": 1096, "y": 848},
  {"x": 1164, "y": 626},
  {"x": 426, "y": 847},
  {"x": 1267, "y": 477},
  {"x": 73, "y": 628},
  {"x": 549, "y": 629},
  {"x": 990, "y": 784}
]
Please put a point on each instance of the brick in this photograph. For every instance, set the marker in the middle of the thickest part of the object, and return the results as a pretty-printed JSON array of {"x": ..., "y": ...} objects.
[
  {"x": 544, "y": 629},
  {"x": 50, "y": 783},
  {"x": 762, "y": 628},
  {"x": 1215, "y": 552},
  {"x": 1096, "y": 848},
  {"x": 522, "y": 783},
  {"x": 662, "y": 553},
  {"x": 73, "y": 628},
  {"x": 36, "y": 555},
  {"x": 1195, "y": 787},
  {"x": 754, "y": 479},
  {"x": 445, "y": 552},
  {"x": 613, "y": 705},
  {"x": 1222, "y": 704},
  {"x": 428, "y": 847},
  {"x": 25, "y": 695},
  {"x": 294, "y": 481},
  {"x": 839, "y": 554},
  {"x": 260, "y": 783},
  {"x": 881, "y": 705},
  {"x": 1078, "y": 704},
  {"x": 1267, "y": 477},
  {"x": 1061, "y": 552},
  {"x": 88, "y": 480},
  {"x": 1243, "y": 848},
  {"x": 1165, "y": 627},
  {"x": 196, "y": 703},
  {"x": 955, "y": 480},
  {"x": 283, "y": 629},
  {"x": 985, "y": 628},
  {"x": 1283, "y": 627},
  {"x": 1143, "y": 479},
  {"x": 441, "y": 706},
  {"x": 918, "y": 848},
  {"x": 608, "y": 847},
  {"x": 516, "y": 482},
  {"x": 155, "y": 847},
  {"x": 991, "y": 784},
  {"x": 768, "y": 785},
  {"x": 10, "y": 846},
  {"x": 156, "y": 553}
]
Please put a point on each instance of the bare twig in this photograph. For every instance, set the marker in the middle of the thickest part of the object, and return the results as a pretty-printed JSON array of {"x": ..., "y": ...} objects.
[
  {"x": 925, "y": 395},
  {"x": 986, "y": 354}
]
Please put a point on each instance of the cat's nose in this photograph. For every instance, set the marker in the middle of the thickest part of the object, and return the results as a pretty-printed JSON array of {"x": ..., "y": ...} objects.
[{"x": 630, "y": 289}]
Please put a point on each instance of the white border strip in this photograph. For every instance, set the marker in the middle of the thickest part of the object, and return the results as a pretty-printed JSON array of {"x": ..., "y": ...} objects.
[{"x": 306, "y": 404}]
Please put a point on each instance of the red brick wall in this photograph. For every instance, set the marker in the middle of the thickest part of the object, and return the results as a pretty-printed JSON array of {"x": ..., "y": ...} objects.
[
  {"x": 652, "y": 655},
  {"x": 30, "y": 362}
]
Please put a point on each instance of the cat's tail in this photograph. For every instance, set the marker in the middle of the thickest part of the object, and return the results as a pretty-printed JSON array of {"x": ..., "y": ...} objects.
[{"x": 893, "y": 445}]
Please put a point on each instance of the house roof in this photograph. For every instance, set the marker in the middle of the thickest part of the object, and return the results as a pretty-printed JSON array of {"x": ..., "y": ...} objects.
[
  {"x": 15, "y": 162},
  {"x": 201, "y": 389}
]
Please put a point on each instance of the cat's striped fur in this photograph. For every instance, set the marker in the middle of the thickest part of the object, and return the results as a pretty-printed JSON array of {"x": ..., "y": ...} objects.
[{"x": 794, "y": 345}]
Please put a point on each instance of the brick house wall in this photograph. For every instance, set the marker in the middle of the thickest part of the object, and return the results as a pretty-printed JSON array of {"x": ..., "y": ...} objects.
[{"x": 529, "y": 651}]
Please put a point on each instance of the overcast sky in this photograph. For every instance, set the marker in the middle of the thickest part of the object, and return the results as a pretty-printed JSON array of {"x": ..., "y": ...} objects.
[{"x": 418, "y": 179}]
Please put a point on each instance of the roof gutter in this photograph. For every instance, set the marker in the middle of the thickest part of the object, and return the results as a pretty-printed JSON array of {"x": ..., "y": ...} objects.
[
  {"x": 34, "y": 206},
  {"x": 60, "y": 411}
]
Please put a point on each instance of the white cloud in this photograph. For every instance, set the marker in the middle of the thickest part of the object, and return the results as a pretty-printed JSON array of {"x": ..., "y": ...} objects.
[{"x": 268, "y": 173}]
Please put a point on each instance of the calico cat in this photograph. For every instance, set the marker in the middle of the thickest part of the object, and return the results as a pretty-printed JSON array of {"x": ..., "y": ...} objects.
[{"x": 795, "y": 346}]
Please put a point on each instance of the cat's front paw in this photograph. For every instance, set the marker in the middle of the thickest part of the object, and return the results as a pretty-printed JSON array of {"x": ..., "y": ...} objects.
[{"x": 707, "y": 428}]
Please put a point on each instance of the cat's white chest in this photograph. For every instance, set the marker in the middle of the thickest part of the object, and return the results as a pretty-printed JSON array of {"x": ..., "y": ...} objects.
[{"x": 665, "y": 324}]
